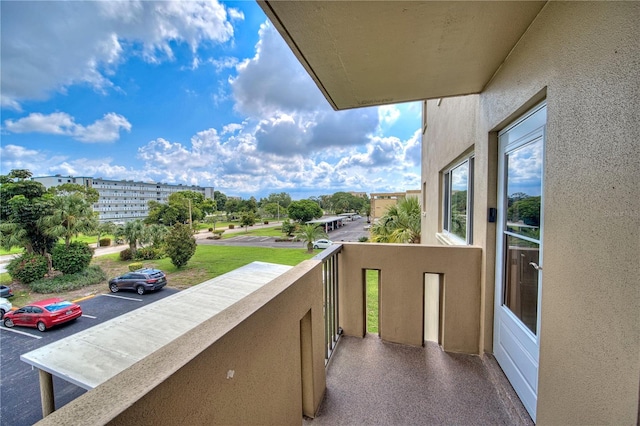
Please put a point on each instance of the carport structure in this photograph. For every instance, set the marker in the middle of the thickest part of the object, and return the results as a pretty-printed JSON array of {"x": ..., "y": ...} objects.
[
  {"x": 95, "y": 355},
  {"x": 329, "y": 223}
]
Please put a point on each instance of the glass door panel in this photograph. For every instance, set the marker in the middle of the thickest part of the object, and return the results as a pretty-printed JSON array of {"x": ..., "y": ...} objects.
[{"x": 521, "y": 280}]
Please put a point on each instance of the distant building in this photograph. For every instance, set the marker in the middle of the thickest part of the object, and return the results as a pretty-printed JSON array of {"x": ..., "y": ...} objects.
[
  {"x": 124, "y": 200},
  {"x": 358, "y": 194},
  {"x": 380, "y": 202}
]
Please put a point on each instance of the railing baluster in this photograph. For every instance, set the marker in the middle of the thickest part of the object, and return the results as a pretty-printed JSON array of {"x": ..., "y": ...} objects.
[{"x": 329, "y": 258}]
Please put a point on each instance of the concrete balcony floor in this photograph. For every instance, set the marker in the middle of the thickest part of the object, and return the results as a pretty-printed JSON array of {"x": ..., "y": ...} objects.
[{"x": 371, "y": 382}]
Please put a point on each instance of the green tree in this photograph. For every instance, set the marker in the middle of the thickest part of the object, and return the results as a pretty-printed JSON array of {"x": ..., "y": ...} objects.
[
  {"x": 106, "y": 228},
  {"x": 72, "y": 258},
  {"x": 133, "y": 232},
  {"x": 156, "y": 234},
  {"x": 304, "y": 210},
  {"x": 282, "y": 198},
  {"x": 247, "y": 219},
  {"x": 232, "y": 206},
  {"x": 70, "y": 216},
  {"x": 288, "y": 228},
  {"x": 309, "y": 233},
  {"x": 91, "y": 195},
  {"x": 400, "y": 223},
  {"x": 221, "y": 200},
  {"x": 22, "y": 203},
  {"x": 180, "y": 245},
  {"x": 273, "y": 210}
]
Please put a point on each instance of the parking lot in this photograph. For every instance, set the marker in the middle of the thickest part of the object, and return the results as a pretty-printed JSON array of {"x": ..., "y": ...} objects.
[
  {"x": 19, "y": 383},
  {"x": 351, "y": 231}
]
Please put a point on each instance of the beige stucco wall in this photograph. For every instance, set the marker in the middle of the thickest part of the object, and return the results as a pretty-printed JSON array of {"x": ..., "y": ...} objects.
[
  {"x": 401, "y": 294},
  {"x": 583, "y": 58},
  {"x": 187, "y": 382}
]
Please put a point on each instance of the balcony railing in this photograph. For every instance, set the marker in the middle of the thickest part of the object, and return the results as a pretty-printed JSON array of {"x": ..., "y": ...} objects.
[
  {"x": 261, "y": 360},
  {"x": 330, "y": 293}
]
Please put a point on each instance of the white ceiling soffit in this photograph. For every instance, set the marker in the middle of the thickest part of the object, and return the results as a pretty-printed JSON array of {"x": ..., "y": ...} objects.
[{"x": 363, "y": 53}]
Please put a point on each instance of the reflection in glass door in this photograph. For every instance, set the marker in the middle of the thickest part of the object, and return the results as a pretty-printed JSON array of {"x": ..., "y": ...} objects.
[{"x": 518, "y": 253}]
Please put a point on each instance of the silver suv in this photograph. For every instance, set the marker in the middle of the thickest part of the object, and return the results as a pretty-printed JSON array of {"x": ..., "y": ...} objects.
[{"x": 141, "y": 280}]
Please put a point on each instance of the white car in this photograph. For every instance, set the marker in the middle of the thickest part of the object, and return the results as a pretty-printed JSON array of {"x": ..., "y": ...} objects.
[
  {"x": 323, "y": 244},
  {"x": 5, "y": 306}
]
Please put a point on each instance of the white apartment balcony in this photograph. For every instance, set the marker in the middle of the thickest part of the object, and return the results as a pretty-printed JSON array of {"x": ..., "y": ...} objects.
[{"x": 294, "y": 350}]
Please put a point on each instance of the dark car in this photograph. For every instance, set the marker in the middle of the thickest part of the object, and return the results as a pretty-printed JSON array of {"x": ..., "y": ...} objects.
[
  {"x": 43, "y": 314},
  {"x": 5, "y": 291},
  {"x": 141, "y": 280}
]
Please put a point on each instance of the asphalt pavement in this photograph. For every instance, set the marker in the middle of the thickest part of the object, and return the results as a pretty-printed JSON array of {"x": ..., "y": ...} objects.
[{"x": 19, "y": 383}]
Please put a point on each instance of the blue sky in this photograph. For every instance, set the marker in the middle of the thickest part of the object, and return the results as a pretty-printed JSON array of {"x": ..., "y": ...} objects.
[{"x": 189, "y": 92}]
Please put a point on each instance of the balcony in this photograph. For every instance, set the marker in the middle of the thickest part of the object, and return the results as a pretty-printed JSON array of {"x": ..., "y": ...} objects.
[{"x": 294, "y": 350}]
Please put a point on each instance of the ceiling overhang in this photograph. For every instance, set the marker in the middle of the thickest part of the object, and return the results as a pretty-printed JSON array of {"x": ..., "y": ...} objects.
[{"x": 364, "y": 53}]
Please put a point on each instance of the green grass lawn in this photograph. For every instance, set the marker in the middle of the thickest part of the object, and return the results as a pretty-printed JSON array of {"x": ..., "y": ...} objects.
[
  {"x": 217, "y": 260},
  {"x": 89, "y": 239},
  {"x": 372, "y": 301},
  {"x": 14, "y": 250},
  {"x": 260, "y": 232},
  {"x": 208, "y": 262}
]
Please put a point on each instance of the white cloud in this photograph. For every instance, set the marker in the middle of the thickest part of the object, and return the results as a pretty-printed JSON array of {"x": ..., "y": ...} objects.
[
  {"x": 413, "y": 150},
  {"x": 18, "y": 157},
  {"x": 106, "y": 129},
  {"x": 224, "y": 63},
  {"x": 40, "y": 55},
  {"x": 291, "y": 114},
  {"x": 388, "y": 114}
]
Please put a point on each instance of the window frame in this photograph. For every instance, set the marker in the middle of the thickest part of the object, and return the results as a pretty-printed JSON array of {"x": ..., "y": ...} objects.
[{"x": 447, "y": 191}]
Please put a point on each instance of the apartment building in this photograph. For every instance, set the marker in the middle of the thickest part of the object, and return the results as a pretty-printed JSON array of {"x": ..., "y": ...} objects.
[
  {"x": 527, "y": 102},
  {"x": 381, "y": 201},
  {"x": 124, "y": 200}
]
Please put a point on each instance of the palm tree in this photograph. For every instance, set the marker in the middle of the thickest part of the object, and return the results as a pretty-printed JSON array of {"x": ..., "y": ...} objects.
[
  {"x": 133, "y": 232},
  {"x": 155, "y": 234},
  {"x": 400, "y": 224},
  {"x": 71, "y": 215},
  {"x": 309, "y": 233}
]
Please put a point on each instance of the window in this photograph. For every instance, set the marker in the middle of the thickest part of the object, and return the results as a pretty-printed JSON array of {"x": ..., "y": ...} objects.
[{"x": 458, "y": 202}]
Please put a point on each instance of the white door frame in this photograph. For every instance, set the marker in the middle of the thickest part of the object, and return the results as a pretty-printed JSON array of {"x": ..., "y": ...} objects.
[{"x": 516, "y": 347}]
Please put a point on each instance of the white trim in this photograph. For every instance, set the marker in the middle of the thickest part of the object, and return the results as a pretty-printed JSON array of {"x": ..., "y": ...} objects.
[
  {"x": 446, "y": 201},
  {"x": 516, "y": 347}
]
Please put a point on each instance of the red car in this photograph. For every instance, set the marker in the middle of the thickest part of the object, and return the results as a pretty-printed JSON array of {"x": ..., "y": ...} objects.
[{"x": 43, "y": 314}]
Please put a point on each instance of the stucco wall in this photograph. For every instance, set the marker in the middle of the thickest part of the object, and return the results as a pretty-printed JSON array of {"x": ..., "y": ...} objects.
[
  {"x": 188, "y": 381},
  {"x": 583, "y": 58},
  {"x": 402, "y": 268}
]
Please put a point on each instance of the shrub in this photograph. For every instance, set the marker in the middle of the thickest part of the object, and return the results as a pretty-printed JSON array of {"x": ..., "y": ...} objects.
[
  {"x": 135, "y": 266},
  {"x": 266, "y": 222},
  {"x": 89, "y": 276},
  {"x": 28, "y": 267},
  {"x": 180, "y": 245},
  {"x": 210, "y": 229},
  {"x": 72, "y": 259},
  {"x": 231, "y": 226},
  {"x": 148, "y": 253},
  {"x": 104, "y": 242},
  {"x": 363, "y": 239},
  {"x": 126, "y": 254},
  {"x": 288, "y": 227}
]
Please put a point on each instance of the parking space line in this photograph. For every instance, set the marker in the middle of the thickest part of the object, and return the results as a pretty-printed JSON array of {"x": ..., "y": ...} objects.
[
  {"x": 121, "y": 297},
  {"x": 20, "y": 332},
  {"x": 89, "y": 316}
]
